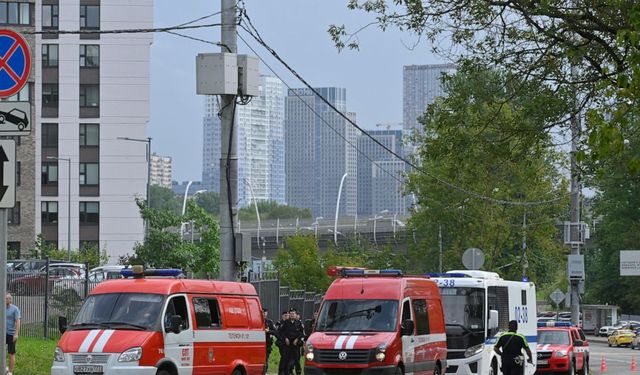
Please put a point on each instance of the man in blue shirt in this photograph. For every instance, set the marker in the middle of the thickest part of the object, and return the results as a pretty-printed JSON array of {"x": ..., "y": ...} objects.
[{"x": 13, "y": 328}]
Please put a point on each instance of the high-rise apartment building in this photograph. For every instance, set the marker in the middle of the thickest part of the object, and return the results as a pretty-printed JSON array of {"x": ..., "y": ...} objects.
[
  {"x": 380, "y": 174},
  {"x": 260, "y": 137},
  {"x": 317, "y": 157},
  {"x": 161, "y": 173},
  {"x": 88, "y": 90},
  {"x": 422, "y": 84}
]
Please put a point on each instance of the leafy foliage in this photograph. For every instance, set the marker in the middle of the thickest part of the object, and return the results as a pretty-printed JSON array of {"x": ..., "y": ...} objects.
[
  {"x": 209, "y": 201},
  {"x": 164, "y": 199},
  {"x": 164, "y": 247},
  {"x": 271, "y": 210},
  {"x": 473, "y": 138},
  {"x": 89, "y": 255},
  {"x": 591, "y": 48}
]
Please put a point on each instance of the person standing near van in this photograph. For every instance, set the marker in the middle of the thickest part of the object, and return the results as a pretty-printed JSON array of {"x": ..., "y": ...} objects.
[
  {"x": 270, "y": 330},
  {"x": 280, "y": 339},
  {"x": 290, "y": 335},
  {"x": 509, "y": 347},
  {"x": 13, "y": 329},
  {"x": 298, "y": 347}
]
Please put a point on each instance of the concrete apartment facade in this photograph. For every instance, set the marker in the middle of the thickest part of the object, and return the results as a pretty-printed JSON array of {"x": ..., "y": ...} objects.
[
  {"x": 161, "y": 171},
  {"x": 91, "y": 90},
  {"x": 260, "y": 137},
  {"x": 316, "y": 156}
]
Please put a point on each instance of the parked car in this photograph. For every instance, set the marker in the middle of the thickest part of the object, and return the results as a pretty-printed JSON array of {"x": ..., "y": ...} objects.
[
  {"x": 74, "y": 289},
  {"x": 36, "y": 284},
  {"x": 606, "y": 331},
  {"x": 635, "y": 343},
  {"x": 620, "y": 337}
]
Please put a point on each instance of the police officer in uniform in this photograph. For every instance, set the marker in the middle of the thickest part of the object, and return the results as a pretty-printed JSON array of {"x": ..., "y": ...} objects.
[
  {"x": 291, "y": 339},
  {"x": 270, "y": 331},
  {"x": 280, "y": 339},
  {"x": 509, "y": 347},
  {"x": 298, "y": 348}
]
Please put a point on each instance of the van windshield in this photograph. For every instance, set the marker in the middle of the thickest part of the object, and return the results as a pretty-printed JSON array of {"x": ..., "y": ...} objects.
[
  {"x": 358, "y": 315},
  {"x": 137, "y": 311}
]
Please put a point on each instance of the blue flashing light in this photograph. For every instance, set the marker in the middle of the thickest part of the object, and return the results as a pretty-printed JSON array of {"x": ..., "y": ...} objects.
[
  {"x": 363, "y": 272},
  {"x": 555, "y": 324},
  {"x": 525, "y": 279},
  {"x": 166, "y": 272}
]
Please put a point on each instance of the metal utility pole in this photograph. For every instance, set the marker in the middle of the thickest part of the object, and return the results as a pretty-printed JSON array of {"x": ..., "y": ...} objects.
[
  {"x": 3, "y": 281},
  {"x": 575, "y": 210},
  {"x": 228, "y": 157}
]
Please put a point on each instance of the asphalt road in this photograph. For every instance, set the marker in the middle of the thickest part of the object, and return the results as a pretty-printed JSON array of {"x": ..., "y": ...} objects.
[{"x": 618, "y": 360}]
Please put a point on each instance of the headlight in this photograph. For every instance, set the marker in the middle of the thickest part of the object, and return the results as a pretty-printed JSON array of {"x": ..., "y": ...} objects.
[
  {"x": 381, "y": 352},
  {"x": 474, "y": 350},
  {"x": 309, "y": 352},
  {"x": 561, "y": 353},
  {"x": 58, "y": 355},
  {"x": 131, "y": 355}
]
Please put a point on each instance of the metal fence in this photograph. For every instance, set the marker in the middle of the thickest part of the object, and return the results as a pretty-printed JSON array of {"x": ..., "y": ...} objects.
[{"x": 44, "y": 297}]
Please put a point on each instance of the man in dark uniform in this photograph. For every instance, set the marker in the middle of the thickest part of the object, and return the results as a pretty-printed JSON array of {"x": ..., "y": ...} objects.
[
  {"x": 298, "y": 347},
  {"x": 270, "y": 330},
  {"x": 509, "y": 348},
  {"x": 291, "y": 337}
]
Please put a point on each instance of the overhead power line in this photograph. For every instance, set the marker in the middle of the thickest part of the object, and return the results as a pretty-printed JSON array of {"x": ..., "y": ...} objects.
[
  {"x": 125, "y": 31},
  {"x": 254, "y": 33}
]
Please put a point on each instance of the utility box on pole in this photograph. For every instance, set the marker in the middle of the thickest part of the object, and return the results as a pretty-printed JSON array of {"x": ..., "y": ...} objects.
[
  {"x": 248, "y": 75},
  {"x": 217, "y": 74}
]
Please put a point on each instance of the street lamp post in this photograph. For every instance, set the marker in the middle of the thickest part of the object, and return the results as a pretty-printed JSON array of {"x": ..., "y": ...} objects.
[
  {"x": 335, "y": 222},
  {"x": 375, "y": 219},
  {"x": 255, "y": 204},
  {"x": 316, "y": 223},
  {"x": 148, "y": 154},
  {"x": 68, "y": 160},
  {"x": 184, "y": 206}
]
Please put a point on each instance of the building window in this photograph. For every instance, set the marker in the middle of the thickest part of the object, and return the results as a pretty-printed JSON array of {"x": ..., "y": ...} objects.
[
  {"x": 50, "y": 95},
  {"x": 15, "y": 13},
  {"x": 49, "y": 213},
  {"x": 49, "y": 135},
  {"x": 89, "y": 173},
  {"x": 18, "y": 177},
  {"x": 50, "y": 16},
  {"x": 89, "y": 16},
  {"x": 49, "y": 173},
  {"x": 14, "y": 215},
  {"x": 89, "y": 213},
  {"x": 89, "y": 55},
  {"x": 89, "y": 95},
  {"x": 49, "y": 55},
  {"x": 89, "y": 135}
]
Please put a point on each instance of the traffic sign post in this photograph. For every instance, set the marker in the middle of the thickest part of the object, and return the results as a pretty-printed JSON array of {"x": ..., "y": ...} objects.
[{"x": 15, "y": 63}]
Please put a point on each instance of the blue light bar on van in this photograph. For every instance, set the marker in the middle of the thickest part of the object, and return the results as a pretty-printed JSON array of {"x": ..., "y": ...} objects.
[
  {"x": 362, "y": 272},
  {"x": 449, "y": 275},
  {"x": 163, "y": 272},
  {"x": 554, "y": 324}
]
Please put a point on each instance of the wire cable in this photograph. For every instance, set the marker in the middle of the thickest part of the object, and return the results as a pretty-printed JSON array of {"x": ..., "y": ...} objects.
[
  {"x": 256, "y": 36},
  {"x": 123, "y": 31}
]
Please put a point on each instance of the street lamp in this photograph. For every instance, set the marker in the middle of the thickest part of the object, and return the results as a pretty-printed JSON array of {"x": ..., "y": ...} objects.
[
  {"x": 335, "y": 222},
  {"x": 255, "y": 204},
  {"x": 68, "y": 160},
  {"x": 316, "y": 223},
  {"x": 375, "y": 219},
  {"x": 184, "y": 206}
]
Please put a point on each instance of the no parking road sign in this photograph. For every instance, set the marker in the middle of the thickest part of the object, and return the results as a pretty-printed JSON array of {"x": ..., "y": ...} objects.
[{"x": 15, "y": 63}]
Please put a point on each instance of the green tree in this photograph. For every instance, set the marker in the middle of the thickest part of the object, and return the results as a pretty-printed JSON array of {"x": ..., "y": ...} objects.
[
  {"x": 209, "y": 201},
  {"x": 462, "y": 150},
  {"x": 538, "y": 40},
  {"x": 617, "y": 217},
  {"x": 163, "y": 199},
  {"x": 271, "y": 210},
  {"x": 300, "y": 265},
  {"x": 164, "y": 248}
]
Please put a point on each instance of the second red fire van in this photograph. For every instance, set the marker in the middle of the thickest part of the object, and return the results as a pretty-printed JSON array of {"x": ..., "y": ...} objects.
[{"x": 378, "y": 322}]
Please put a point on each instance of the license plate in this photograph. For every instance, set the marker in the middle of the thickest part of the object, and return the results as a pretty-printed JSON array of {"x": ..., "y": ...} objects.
[
  {"x": 543, "y": 361},
  {"x": 87, "y": 369}
]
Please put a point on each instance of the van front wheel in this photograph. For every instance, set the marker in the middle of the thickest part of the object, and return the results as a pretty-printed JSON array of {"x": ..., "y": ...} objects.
[
  {"x": 399, "y": 371},
  {"x": 236, "y": 372},
  {"x": 163, "y": 372},
  {"x": 436, "y": 371}
]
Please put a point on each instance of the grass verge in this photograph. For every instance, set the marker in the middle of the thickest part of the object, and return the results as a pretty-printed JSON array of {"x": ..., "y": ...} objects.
[{"x": 34, "y": 356}]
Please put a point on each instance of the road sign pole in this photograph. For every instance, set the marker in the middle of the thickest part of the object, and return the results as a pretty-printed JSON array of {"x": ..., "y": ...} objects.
[
  {"x": 3, "y": 282},
  {"x": 228, "y": 157}
]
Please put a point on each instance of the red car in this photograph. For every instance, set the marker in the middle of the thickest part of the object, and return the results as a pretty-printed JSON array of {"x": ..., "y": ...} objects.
[
  {"x": 562, "y": 348},
  {"x": 35, "y": 284}
]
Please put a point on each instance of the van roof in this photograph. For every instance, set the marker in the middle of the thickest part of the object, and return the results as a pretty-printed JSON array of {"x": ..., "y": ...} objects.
[
  {"x": 380, "y": 288},
  {"x": 167, "y": 286}
]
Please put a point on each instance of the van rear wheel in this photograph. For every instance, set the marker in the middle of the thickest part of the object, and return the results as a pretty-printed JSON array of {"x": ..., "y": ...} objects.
[
  {"x": 436, "y": 371},
  {"x": 163, "y": 372},
  {"x": 399, "y": 371},
  {"x": 236, "y": 372}
]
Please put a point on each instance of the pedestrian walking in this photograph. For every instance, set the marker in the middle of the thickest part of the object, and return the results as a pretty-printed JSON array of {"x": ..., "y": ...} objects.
[
  {"x": 13, "y": 330},
  {"x": 509, "y": 347}
]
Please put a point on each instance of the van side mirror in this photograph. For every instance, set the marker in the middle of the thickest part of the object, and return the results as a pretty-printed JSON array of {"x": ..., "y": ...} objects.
[
  {"x": 62, "y": 324},
  {"x": 493, "y": 319},
  {"x": 176, "y": 323},
  {"x": 407, "y": 328}
]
